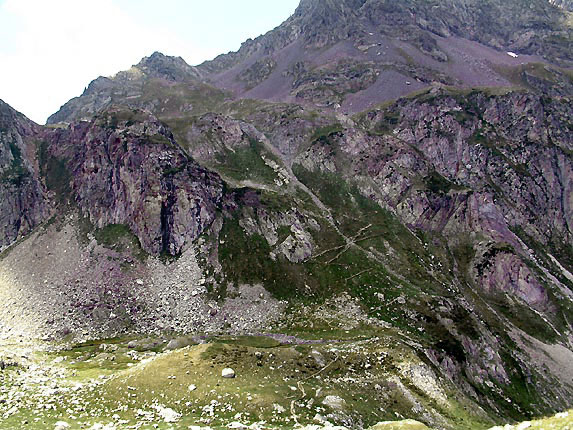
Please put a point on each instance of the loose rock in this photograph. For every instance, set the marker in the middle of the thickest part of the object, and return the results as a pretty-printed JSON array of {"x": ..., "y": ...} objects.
[{"x": 228, "y": 373}]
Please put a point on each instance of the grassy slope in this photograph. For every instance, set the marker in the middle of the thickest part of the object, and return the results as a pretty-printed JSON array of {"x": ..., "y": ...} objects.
[{"x": 275, "y": 383}]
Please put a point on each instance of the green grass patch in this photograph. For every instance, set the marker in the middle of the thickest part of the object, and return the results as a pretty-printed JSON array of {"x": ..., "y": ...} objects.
[
  {"x": 55, "y": 172},
  {"x": 120, "y": 238},
  {"x": 245, "y": 163},
  {"x": 17, "y": 173}
]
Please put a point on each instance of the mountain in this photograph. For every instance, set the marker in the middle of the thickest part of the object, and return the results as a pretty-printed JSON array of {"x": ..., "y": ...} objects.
[
  {"x": 376, "y": 192},
  {"x": 352, "y": 55},
  {"x": 157, "y": 83}
]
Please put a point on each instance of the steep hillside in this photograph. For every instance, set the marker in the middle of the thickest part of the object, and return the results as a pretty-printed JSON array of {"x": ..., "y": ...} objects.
[{"x": 411, "y": 259}]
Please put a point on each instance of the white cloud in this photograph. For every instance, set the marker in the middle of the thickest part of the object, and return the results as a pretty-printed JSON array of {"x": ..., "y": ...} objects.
[{"x": 67, "y": 43}]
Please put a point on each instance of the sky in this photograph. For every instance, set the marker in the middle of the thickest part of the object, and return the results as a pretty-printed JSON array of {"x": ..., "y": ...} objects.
[{"x": 50, "y": 50}]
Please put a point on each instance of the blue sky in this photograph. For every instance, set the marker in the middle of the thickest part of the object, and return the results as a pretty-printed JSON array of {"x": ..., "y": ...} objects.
[{"x": 51, "y": 49}]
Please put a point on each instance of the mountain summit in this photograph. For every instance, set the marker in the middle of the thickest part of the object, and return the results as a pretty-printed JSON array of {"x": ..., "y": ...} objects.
[
  {"x": 174, "y": 69},
  {"x": 364, "y": 216}
]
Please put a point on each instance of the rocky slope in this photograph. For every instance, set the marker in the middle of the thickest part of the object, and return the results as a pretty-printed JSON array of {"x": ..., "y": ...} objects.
[
  {"x": 440, "y": 222},
  {"x": 355, "y": 54},
  {"x": 565, "y": 4}
]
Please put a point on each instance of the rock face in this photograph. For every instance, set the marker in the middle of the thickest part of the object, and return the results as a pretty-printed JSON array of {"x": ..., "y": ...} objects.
[
  {"x": 565, "y": 4},
  {"x": 147, "y": 85},
  {"x": 130, "y": 171},
  {"x": 446, "y": 215},
  {"x": 23, "y": 202},
  {"x": 507, "y": 145}
]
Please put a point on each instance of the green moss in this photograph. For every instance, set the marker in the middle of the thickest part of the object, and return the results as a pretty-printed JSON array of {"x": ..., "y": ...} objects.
[
  {"x": 192, "y": 99},
  {"x": 159, "y": 139},
  {"x": 323, "y": 133},
  {"x": 16, "y": 174},
  {"x": 437, "y": 184},
  {"x": 517, "y": 75},
  {"x": 247, "y": 259},
  {"x": 55, "y": 172},
  {"x": 120, "y": 238},
  {"x": 245, "y": 163},
  {"x": 464, "y": 254},
  {"x": 283, "y": 232},
  {"x": 250, "y": 341},
  {"x": 524, "y": 318},
  {"x": 388, "y": 122}
]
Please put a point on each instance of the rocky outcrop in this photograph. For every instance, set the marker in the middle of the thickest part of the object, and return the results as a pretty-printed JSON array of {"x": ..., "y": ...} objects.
[
  {"x": 493, "y": 156},
  {"x": 258, "y": 72},
  {"x": 129, "y": 170},
  {"x": 169, "y": 68},
  {"x": 23, "y": 202},
  {"x": 565, "y": 4},
  {"x": 288, "y": 233},
  {"x": 160, "y": 73}
]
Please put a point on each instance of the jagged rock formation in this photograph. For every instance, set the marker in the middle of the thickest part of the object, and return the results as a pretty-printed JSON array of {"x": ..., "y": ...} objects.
[
  {"x": 445, "y": 215},
  {"x": 128, "y": 170},
  {"x": 156, "y": 83},
  {"x": 23, "y": 202}
]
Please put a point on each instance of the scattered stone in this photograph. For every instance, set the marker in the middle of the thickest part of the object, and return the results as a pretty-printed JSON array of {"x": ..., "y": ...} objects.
[
  {"x": 318, "y": 357},
  {"x": 228, "y": 373},
  {"x": 61, "y": 425},
  {"x": 334, "y": 402},
  {"x": 167, "y": 414},
  {"x": 192, "y": 387},
  {"x": 278, "y": 408},
  {"x": 99, "y": 426}
]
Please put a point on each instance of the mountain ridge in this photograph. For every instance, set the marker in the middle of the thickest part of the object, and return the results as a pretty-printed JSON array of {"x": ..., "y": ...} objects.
[
  {"x": 370, "y": 192},
  {"x": 382, "y": 53}
]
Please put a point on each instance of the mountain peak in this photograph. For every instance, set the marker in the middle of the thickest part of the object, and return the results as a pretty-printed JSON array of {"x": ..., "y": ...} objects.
[{"x": 167, "y": 67}]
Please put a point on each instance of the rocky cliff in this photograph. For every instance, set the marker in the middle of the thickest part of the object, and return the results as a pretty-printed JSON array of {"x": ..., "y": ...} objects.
[
  {"x": 23, "y": 202},
  {"x": 214, "y": 198},
  {"x": 125, "y": 168}
]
